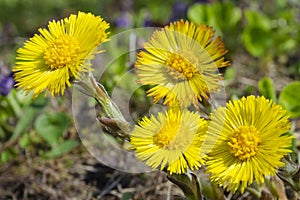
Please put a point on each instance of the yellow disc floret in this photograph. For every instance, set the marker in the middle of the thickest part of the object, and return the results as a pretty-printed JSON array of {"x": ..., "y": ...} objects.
[
  {"x": 179, "y": 67},
  {"x": 244, "y": 142},
  {"x": 61, "y": 52},
  {"x": 171, "y": 136},
  {"x": 166, "y": 134}
]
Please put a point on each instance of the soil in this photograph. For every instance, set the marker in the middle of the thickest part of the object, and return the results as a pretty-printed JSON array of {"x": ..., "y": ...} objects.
[{"x": 78, "y": 175}]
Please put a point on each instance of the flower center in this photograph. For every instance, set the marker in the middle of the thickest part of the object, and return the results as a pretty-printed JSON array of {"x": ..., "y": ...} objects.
[
  {"x": 244, "y": 142},
  {"x": 181, "y": 68},
  {"x": 170, "y": 137},
  {"x": 61, "y": 52}
]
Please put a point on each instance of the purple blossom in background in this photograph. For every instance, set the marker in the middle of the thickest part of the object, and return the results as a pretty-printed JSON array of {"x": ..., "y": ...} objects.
[
  {"x": 147, "y": 22},
  {"x": 124, "y": 20},
  {"x": 6, "y": 84},
  {"x": 202, "y": 1},
  {"x": 179, "y": 11}
]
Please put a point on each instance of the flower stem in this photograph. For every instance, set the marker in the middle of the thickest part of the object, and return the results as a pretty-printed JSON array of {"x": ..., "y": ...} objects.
[{"x": 110, "y": 117}]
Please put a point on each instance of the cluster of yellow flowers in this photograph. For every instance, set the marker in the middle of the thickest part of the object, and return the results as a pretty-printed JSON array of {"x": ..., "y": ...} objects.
[{"x": 239, "y": 143}]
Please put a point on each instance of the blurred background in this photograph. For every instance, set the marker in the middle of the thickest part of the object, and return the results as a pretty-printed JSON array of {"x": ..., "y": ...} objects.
[{"x": 41, "y": 156}]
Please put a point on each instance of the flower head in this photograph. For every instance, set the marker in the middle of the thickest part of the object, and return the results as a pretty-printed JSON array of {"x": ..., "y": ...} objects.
[
  {"x": 50, "y": 60},
  {"x": 247, "y": 140},
  {"x": 181, "y": 60},
  {"x": 171, "y": 140}
]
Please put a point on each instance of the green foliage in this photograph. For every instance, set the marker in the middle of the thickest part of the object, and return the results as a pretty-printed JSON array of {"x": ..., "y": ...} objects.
[
  {"x": 229, "y": 75},
  {"x": 51, "y": 128},
  {"x": 256, "y": 35},
  {"x": 189, "y": 184},
  {"x": 20, "y": 118},
  {"x": 225, "y": 18},
  {"x": 290, "y": 98},
  {"x": 266, "y": 88},
  {"x": 8, "y": 154},
  {"x": 127, "y": 196},
  {"x": 265, "y": 32},
  {"x": 28, "y": 116},
  {"x": 61, "y": 149},
  {"x": 24, "y": 141},
  {"x": 29, "y": 18},
  {"x": 18, "y": 113},
  {"x": 271, "y": 32}
]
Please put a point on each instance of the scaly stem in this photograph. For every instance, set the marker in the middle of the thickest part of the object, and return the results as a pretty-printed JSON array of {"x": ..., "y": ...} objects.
[{"x": 111, "y": 117}]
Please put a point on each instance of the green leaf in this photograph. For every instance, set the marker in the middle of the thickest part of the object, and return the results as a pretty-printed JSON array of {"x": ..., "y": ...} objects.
[
  {"x": 258, "y": 19},
  {"x": 197, "y": 13},
  {"x": 24, "y": 141},
  {"x": 51, "y": 126},
  {"x": 11, "y": 100},
  {"x": 61, "y": 149},
  {"x": 256, "y": 40},
  {"x": 188, "y": 183},
  {"x": 8, "y": 154},
  {"x": 266, "y": 88},
  {"x": 229, "y": 75},
  {"x": 28, "y": 116},
  {"x": 224, "y": 17},
  {"x": 210, "y": 190},
  {"x": 127, "y": 196},
  {"x": 25, "y": 121},
  {"x": 290, "y": 98},
  {"x": 2, "y": 133},
  {"x": 257, "y": 34}
]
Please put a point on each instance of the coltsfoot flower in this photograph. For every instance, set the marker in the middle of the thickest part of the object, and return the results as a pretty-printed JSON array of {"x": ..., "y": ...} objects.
[
  {"x": 181, "y": 62},
  {"x": 171, "y": 141},
  {"x": 50, "y": 60},
  {"x": 247, "y": 139}
]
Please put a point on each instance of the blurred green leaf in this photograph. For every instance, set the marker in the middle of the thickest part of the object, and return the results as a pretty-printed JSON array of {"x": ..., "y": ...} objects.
[
  {"x": 210, "y": 190},
  {"x": 256, "y": 36},
  {"x": 12, "y": 101},
  {"x": 28, "y": 116},
  {"x": 295, "y": 69},
  {"x": 25, "y": 121},
  {"x": 222, "y": 16},
  {"x": 8, "y": 154},
  {"x": 197, "y": 13},
  {"x": 127, "y": 196},
  {"x": 24, "y": 140},
  {"x": 257, "y": 19},
  {"x": 61, "y": 149},
  {"x": 290, "y": 98},
  {"x": 188, "y": 183},
  {"x": 2, "y": 133},
  {"x": 229, "y": 75},
  {"x": 266, "y": 88},
  {"x": 51, "y": 126},
  {"x": 257, "y": 41}
]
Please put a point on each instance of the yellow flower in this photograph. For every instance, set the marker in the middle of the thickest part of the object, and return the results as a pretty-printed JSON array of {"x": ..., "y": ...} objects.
[
  {"x": 171, "y": 140},
  {"x": 181, "y": 61},
  {"x": 49, "y": 61},
  {"x": 247, "y": 140}
]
